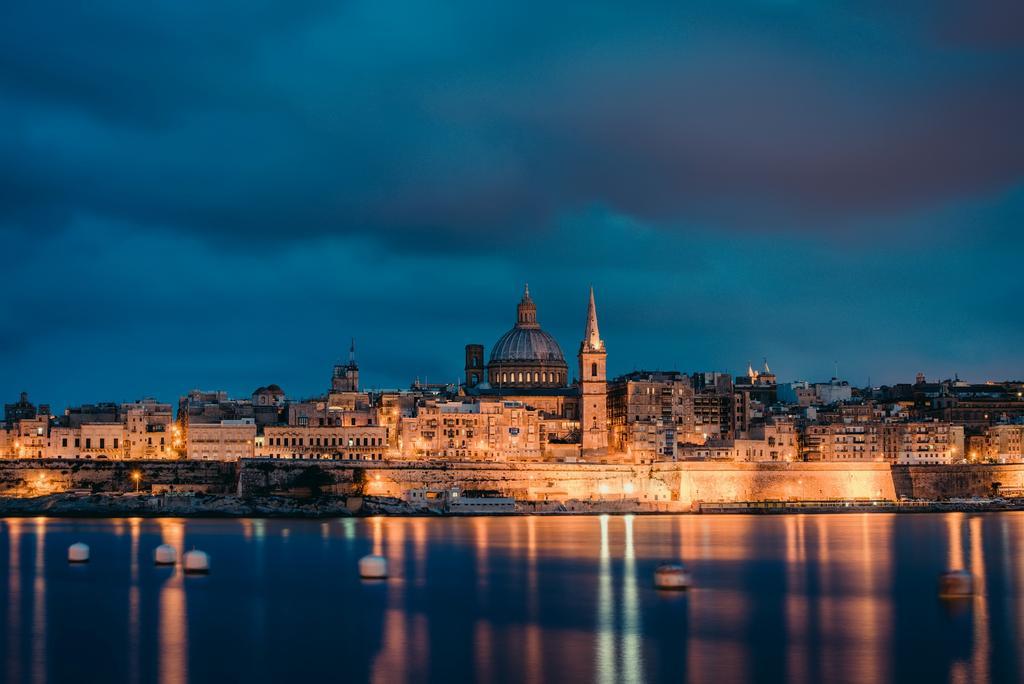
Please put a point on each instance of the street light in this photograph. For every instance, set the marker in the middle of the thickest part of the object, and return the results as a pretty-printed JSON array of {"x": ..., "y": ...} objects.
[{"x": 137, "y": 476}]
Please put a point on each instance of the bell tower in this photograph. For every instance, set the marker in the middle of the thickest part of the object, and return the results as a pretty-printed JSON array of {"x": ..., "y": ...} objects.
[
  {"x": 593, "y": 388},
  {"x": 474, "y": 364},
  {"x": 346, "y": 377}
]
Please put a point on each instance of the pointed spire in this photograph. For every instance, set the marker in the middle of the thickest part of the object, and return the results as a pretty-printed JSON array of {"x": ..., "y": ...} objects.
[
  {"x": 352, "y": 353},
  {"x": 751, "y": 373},
  {"x": 592, "y": 336},
  {"x": 766, "y": 368},
  {"x": 526, "y": 291}
]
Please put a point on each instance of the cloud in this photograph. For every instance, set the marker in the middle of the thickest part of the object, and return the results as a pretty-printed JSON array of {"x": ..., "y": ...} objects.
[
  {"x": 450, "y": 129},
  {"x": 223, "y": 194}
]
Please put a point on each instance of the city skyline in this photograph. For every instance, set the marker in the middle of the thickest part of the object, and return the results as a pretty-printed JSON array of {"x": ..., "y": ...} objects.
[
  {"x": 811, "y": 184},
  {"x": 458, "y": 377}
]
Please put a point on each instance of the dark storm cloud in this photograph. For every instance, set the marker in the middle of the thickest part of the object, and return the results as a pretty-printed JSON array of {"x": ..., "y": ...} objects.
[
  {"x": 223, "y": 193},
  {"x": 447, "y": 127}
]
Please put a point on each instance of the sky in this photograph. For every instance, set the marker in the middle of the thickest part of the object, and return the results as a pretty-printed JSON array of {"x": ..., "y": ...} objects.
[{"x": 221, "y": 195}]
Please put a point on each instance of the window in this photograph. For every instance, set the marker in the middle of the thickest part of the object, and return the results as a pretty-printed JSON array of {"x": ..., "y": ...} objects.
[
  {"x": 64, "y": 442},
  {"x": 88, "y": 442},
  {"x": 115, "y": 442},
  {"x": 78, "y": 442},
  {"x": 593, "y": 370}
]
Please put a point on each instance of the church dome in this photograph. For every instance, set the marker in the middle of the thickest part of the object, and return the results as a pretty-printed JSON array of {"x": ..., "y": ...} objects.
[
  {"x": 526, "y": 344},
  {"x": 526, "y": 357}
]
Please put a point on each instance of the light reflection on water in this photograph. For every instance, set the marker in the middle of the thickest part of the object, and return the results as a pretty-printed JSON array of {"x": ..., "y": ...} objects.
[{"x": 800, "y": 598}]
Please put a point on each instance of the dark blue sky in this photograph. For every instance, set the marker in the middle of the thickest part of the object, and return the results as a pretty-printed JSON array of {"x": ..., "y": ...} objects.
[{"x": 219, "y": 195}]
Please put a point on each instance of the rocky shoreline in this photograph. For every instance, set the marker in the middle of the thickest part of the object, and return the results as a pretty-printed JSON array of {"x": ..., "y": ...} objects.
[{"x": 231, "y": 506}]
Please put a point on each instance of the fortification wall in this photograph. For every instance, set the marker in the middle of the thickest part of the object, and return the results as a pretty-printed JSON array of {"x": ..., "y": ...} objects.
[
  {"x": 943, "y": 482},
  {"x": 670, "y": 486},
  {"x": 710, "y": 482},
  {"x": 41, "y": 476},
  {"x": 666, "y": 486}
]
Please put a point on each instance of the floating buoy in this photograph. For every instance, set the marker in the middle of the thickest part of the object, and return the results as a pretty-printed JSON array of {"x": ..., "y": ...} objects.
[
  {"x": 78, "y": 553},
  {"x": 956, "y": 584},
  {"x": 373, "y": 567},
  {"x": 196, "y": 562},
  {"x": 165, "y": 554},
  {"x": 672, "y": 576}
]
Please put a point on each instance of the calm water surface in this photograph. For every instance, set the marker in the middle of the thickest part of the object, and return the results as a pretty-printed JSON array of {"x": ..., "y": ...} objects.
[{"x": 803, "y": 598}]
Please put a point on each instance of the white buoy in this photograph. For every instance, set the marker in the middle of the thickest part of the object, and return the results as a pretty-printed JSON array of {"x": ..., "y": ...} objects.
[
  {"x": 956, "y": 584},
  {"x": 672, "y": 576},
  {"x": 165, "y": 554},
  {"x": 196, "y": 562},
  {"x": 78, "y": 553},
  {"x": 373, "y": 567}
]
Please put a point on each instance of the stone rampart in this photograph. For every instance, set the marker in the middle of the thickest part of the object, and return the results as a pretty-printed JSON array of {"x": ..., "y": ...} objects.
[
  {"x": 664, "y": 486},
  {"x": 937, "y": 482},
  {"x": 668, "y": 486},
  {"x": 43, "y": 476}
]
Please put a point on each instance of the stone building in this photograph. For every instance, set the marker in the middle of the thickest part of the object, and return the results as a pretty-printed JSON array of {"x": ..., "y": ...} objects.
[
  {"x": 844, "y": 442},
  {"x": 973, "y": 405},
  {"x": 7, "y": 442},
  {"x": 753, "y": 394},
  {"x": 29, "y": 437},
  {"x": 224, "y": 440},
  {"x": 22, "y": 409},
  {"x": 271, "y": 395},
  {"x": 924, "y": 443},
  {"x": 212, "y": 407},
  {"x": 775, "y": 440},
  {"x": 366, "y": 442},
  {"x": 486, "y": 430},
  {"x": 803, "y": 393},
  {"x": 650, "y": 412},
  {"x": 903, "y": 443},
  {"x": 149, "y": 429},
  {"x": 346, "y": 377},
  {"x": 102, "y": 440},
  {"x": 1004, "y": 443},
  {"x": 713, "y": 405}
]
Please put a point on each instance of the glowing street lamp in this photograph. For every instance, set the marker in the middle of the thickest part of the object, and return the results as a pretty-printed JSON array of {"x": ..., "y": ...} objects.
[{"x": 137, "y": 476}]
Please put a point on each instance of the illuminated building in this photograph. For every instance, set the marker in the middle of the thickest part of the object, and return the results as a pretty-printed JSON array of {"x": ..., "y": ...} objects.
[
  {"x": 486, "y": 430},
  {"x": 225, "y": 440},
  {"x": 330, "y": 442}
]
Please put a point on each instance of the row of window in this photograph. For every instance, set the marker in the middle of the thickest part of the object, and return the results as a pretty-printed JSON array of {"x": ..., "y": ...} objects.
[
  {"x": 536, "y": 376},
  {"x": 303, "y": 421},
  {"x": 102, "y": 442},
  {"x": 334, "y": 441},
  {"x": 328, "y": 457}
]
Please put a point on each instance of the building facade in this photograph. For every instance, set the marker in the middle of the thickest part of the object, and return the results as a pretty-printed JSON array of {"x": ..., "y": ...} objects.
[
  {"x": 225, "y": 440},
  {"x": 473, "y": 431}
]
